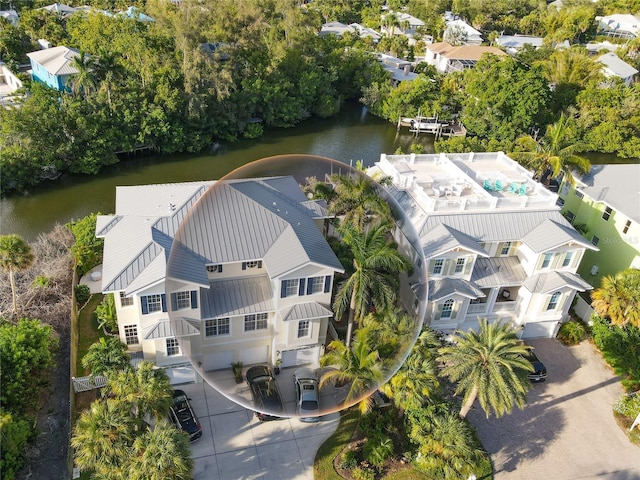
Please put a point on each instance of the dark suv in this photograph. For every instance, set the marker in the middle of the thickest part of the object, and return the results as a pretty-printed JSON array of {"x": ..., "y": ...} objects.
[
  {"x": 265, "y": 392},
  {"x": 540, "y": 372},
  {"x": 182, "y": 416}
]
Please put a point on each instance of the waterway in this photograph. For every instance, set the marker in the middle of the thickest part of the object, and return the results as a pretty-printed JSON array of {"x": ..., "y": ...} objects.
[{"x": 352, "y": 135}]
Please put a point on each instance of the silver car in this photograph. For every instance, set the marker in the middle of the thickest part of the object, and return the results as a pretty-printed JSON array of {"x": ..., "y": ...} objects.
[{"x": 307, "y": 397}]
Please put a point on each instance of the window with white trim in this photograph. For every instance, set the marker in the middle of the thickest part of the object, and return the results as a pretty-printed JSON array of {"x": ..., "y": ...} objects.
[
  {"x": 172, "y": 347},
  {"x": 547, "y": 260},
  {"x": 315, "y": 285},
  {"x": 553, "y": 301},
  {"x": 303, "y": 328},
  {"x": 447, "y": 309},
  {"x": 125, "y": 301},
  {"x": 460, "y": 265},
  {"x": 255, "y": 322},
  {"x": 252, "y": 264},
  {"x": 216, "y": 327},
  {"x": 131, "y": 334},
  {"x": 506, "y": 248},
  {"x": 183, "y": 300},
  {"x": 214, "y": 268},
  {"x": 438, "y": 264},
  {"x": 290, "y": 287},
  {"x": 566, "y": 262},
  {"x": 154, "y": 303},
  {"x": 606, "y": 215},
  {"x": 627, "y": 226}
]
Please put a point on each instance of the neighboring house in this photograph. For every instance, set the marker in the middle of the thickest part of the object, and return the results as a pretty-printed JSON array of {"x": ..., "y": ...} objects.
[
  {"x": 239, "y": 272},
  {"x": 52, "y": 66},
  {"x": 596, "y": 48},
  {"x": 339, "y": 29},
  {"x": 11, "y": 16},
  {"x": 136, "y": 14},
  {"x": 473, "y": 36},
  {"x": 9, "y": 84},
  {"x": 619, "y": 25},
  {"x": 514, "y": 43},
  {"x": 400, "y": 70},
  {"x": 447, "y": 58},
  {"x": 62, "y": 10},
  {"x": 406, "y": 25},
  {"x": 605, "y": 203},
  {"x": 495, "y": 242},
  {"x": 613, "y": 66}
]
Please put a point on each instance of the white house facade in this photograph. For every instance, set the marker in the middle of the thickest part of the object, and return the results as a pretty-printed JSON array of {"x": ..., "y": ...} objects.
[
  {"x": 495, "y": 242},
  {"x": 237, "y": 272}
]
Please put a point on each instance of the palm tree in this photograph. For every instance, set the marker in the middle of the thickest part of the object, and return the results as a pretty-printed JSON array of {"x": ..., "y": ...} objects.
[
  {"x": 161, "y": 454},
  {"x": 571, "y": 66},
  {"x": 488, "y": 365},
  {"x": 84, "y": 80},
  {"x": 552, "y": 154},
  {"x": 147, "y": 390},
  {"x": 416, "y": 381},
  {"x": 105, "y": 356},
  {"x": 102, "y": 437},
  {"x": 376, "y": 265},
  {"x": 618, "y": 298},
  {"x": 15, "y": 255},
  {"x": 357, "y": 364},
  {"x": 390, "y": 331},
  {"x": 107, "y": 71}
]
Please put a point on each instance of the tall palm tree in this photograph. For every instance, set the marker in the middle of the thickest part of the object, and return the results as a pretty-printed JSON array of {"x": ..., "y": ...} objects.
[
  {"x": 618, "y": 298},
  {"x": 108, "y": 71},
  {"x": 357, "y": 364},
  {"x": 553, "y": 154},
  {"x": 571, "y": 66},
  {"x": 376, "y": 265},
  {"x": 390, "y": 331},
  {"x": 147, "y": 390},
  {"x": 488, "y": 365},
  {"x": 84, "y": 81},
  {"x": 102, "y": 437},
  {"x": 105, "y": 356},
  {"x": 15, "y": 255},
  {"x": 161, "y": 454}
]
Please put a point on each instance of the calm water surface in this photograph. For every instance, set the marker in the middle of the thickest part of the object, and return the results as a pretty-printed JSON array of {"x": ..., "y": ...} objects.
[{"x": 352, "y": 135}]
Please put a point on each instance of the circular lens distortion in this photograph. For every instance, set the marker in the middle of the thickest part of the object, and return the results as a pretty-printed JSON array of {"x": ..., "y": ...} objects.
[{"x": 296, "y": 286}]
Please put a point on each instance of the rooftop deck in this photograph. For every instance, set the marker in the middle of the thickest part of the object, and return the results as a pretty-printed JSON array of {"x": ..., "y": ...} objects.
[{"x": 467, "y": 181}]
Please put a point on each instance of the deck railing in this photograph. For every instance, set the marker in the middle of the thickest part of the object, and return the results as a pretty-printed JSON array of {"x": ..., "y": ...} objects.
[{"x": 84, "y": 384}]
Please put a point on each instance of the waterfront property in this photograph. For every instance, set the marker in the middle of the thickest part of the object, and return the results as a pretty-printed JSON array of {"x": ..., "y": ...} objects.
[
  {"x": 239, "y": 272},
  {"x": 447, "y": 58},
  {"x": 52, "y": 66},
  {"x": 495, "y": 242},
  {"x": 605, "y": 204}
]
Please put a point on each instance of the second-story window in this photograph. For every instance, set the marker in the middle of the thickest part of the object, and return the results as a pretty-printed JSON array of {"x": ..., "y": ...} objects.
[
  {"x": 606, "y": 215},
  {"x": 216, "y": 327},
  {"x": 125, "y": 301},
  {"x": 153, "y": 303},
  {"x": 447, "y": 309},
  {"x": 566, "y": 262},
  {"x": 459, "y": 265},
  {"x": 290, "y": 287},
  {"x": 255, "y": 322},
  {"x": 315, "y": 285},
  {"x": 627, "y": 226},
  {"x": 438, "y": 264},
  {"x": 547, "y": 260},
  {"x": 595, "y": 240},
  {"x": 506, "y": 248}
]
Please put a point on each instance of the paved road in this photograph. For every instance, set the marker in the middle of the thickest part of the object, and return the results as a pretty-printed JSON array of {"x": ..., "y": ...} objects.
[
  {"x": 234, "y": 445},
  {"x": 567, "y": 430}
]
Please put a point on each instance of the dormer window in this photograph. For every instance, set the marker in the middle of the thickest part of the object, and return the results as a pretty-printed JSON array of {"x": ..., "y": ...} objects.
[
  {"x": 252, "y": 264},
  {"x": 214, "y": 268}
]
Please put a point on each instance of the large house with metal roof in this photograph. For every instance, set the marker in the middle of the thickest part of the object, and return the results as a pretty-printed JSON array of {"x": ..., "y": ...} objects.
[
  {"x": 495, "y": 242},
  {"x": 212, "y": 274},
  {"x": 53, "y": 66},
  {"x": 605, "y": 204}
]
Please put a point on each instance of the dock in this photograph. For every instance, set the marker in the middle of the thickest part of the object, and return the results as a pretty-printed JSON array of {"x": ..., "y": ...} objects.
[{"x": 431, "y": 125}]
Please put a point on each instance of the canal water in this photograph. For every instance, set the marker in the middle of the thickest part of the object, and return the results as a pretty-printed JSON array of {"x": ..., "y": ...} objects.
[{"x": 353, "y": 135}]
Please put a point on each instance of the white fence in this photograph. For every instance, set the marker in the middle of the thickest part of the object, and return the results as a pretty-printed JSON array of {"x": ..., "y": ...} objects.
[
  {"x": 582, "y": 309},
  {"x": 83, "y": 384}
]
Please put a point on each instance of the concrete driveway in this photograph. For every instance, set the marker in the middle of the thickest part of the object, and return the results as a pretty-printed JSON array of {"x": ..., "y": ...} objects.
[
  {"x": 567, "y": 430},
  {"x": 234, "y": 445}
]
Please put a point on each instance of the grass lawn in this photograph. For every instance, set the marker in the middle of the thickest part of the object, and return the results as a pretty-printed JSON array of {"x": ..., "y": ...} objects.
[
  {"x": 323, "y": 466},
  {"x": 88, "y": 331}
]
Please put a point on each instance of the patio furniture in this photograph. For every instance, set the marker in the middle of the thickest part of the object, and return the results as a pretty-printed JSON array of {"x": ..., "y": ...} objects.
[
  {"x": 523, "y": 189},
  {"x": 488, "y": 186},
  {"x": 514, "y": 187},
  {"x": 498, "y": 186}
]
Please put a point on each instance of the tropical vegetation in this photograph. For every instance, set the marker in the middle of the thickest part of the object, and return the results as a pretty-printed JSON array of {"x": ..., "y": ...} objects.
[
  {"x": 15, "y": 255},
  {"x": 618, "y": 298}
]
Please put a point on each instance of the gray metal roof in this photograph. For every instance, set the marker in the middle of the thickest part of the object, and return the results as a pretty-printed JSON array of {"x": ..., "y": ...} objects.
[
  {"x": 549, "y": 235},
  {"x": 498, "y": 272},
  {"x": 439, "y": 289},
  {"x": 305, "y": 311},
  {"x": 443, "y": 239},
  {"x": 183, "y": 327},
  {"x": 617, "y": 186},
  {"x": 617, "y": 66},
  {"x": 241, "y": 296},
  {"x": 510, "y": 226},
  {"x": 549, "y": 282}
]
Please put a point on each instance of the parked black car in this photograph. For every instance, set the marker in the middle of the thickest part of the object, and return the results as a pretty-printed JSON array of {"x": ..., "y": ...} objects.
[
  {"x": 182, "y": 416},
  {"x": 265, "y": 392},
  {"x": 540, "y": 372}
]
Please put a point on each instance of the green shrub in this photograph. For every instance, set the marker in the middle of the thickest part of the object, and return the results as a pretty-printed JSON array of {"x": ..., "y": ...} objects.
[
  {"x": 572, "y": 333},
  {"x": 378, "y": 449},
  {"x": 87, "y": 249},
  {"x": 628, "y": 405},
  {"x": 41, "y": 281},
  {"x": 363, "y": 473},
  {"x": 82, "y": 294},
  {"x": 254, "y": 130},
  {"x": 350, "y": 460},
  {"x": 15, "y": 434},
  {"x": 106, "y": 313},
  {"x": 620, "y": 347}
]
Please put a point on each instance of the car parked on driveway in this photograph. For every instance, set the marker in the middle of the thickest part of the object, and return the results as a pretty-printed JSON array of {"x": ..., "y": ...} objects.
[
  {"x": 307, "y": 398},
  {"x": 540, "y": 372},
  {"x": 182, "y": 416},
  {"x": 265, "y": 392}
]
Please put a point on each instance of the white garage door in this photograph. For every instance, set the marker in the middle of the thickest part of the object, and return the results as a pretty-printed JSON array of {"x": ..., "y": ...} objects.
[
  {"x": 179, "y": 375},
  {"x": 539, "y": 329},
  {"x": 302, "y": 356},
  {"x": 251, "y": 356},
  {"x": 218, "y": 360}
]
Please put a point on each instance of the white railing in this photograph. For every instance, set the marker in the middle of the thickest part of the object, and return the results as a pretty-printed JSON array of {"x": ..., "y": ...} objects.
[
  {"x": 504, "y": 307},
  {"x": 477, "y": 308},
  {"x": 84, "y": 384}
]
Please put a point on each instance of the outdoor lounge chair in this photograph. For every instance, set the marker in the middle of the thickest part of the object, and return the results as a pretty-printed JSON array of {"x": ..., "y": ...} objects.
[
  {"x": 523, "y": 189},
  {"x": 498, "y": 186},
  {"x": 513, "y": 188},
  {"x": 488, "y": 186}
]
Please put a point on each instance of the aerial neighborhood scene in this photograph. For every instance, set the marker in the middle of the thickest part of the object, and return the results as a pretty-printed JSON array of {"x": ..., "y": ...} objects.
[{"x": 320, "y": 239}]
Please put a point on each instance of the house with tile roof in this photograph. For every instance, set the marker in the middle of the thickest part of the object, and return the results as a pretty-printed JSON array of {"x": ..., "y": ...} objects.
[
  {"x": 494, "y": 241},
  {"x": 448, "y": 58},
  {"x": 236, "y": 272},
  {"x": 53, "y": 66},
  {"x": 605, "y": 204}
]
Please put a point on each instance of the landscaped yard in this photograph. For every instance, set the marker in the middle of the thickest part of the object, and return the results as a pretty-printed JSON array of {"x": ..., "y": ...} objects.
[{"x": 88, "y": 331}]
